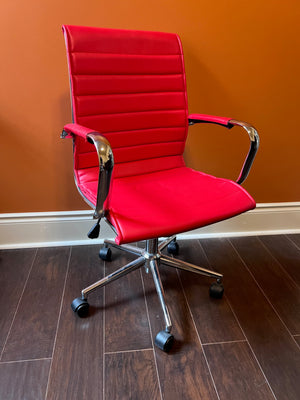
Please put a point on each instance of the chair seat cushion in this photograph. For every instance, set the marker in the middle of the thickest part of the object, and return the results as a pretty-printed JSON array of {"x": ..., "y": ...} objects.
[{"x": 170, "y": 202}]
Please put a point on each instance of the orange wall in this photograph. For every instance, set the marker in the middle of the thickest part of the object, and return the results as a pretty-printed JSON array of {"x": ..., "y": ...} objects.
[{"x": 242, "y": 60}]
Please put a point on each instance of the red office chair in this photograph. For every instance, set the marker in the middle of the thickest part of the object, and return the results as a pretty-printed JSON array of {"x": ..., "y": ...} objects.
[{"x": 130, "y": 125}]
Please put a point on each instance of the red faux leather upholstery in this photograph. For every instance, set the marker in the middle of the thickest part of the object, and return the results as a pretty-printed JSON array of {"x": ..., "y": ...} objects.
[{"x": 130, "y": 87}]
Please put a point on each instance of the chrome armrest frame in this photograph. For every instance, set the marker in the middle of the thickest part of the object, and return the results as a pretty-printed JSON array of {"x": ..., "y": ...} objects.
[
  {"x": 106, "y": 164},
  {"x": 254, "y": 144}
]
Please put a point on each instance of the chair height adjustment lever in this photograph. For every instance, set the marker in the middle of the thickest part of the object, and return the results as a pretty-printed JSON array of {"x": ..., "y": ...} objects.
[{"x": 95, "y": 230}]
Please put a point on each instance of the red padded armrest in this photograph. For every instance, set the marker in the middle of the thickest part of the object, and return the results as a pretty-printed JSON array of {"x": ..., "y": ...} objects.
[
  {"x": 75, "y": 129},
  {"x": 200, "y": 118}
]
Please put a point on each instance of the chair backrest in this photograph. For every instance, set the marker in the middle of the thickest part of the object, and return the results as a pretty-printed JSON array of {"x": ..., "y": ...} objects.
[{"x": 130, "y": 86}]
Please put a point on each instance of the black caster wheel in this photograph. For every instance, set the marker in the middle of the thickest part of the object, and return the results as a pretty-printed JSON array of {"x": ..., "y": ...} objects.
[
  {"x": 105, "y": 253},
  {"x": 164, "y": 341},
  {"x": 173, "y": 248},
  {"x": 80, "y": 307},
  {"x": 216, "y": 290}
]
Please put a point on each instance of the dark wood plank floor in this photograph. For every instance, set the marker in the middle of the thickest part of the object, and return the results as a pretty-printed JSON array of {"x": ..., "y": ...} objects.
[{"x": 245, "y": 346}]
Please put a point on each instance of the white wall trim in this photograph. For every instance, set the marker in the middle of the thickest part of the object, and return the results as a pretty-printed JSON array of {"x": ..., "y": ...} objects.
[{"x": 43, "y": 229}]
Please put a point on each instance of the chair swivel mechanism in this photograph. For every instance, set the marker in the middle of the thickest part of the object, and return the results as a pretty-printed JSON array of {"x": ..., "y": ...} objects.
[{"x": 130, "y": 123}]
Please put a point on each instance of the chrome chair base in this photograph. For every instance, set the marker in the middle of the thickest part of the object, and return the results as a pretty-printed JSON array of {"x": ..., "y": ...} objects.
[{"x": 150, "y": 258}]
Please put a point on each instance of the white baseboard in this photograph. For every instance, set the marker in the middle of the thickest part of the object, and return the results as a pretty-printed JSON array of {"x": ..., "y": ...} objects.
[{"x": 22, "y": 230}]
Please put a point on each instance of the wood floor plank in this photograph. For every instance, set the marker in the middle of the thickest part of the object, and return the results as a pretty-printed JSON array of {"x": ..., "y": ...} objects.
[
  {"x": 77, "y": 367},
  {"x": 126, "y": 321},
  {"x": 278, "y": 286},
  {"x": 286, "y": 253},
  {"x": 33, "y": 331},
  {"x": 24, "y": 380},
  {"x": 214, "y": 318},
  {"x": 14, "y": 269},
  {"x": 297, "y": 338},
  {"x": 79, "y": 364},
  {"x": 131, "y": 375},
  {"x": 275, "y": 349},
  {"x": 236, "y": 373},
  {"x": 295, "y": 239},
  {"x": 183, "y": 372}
]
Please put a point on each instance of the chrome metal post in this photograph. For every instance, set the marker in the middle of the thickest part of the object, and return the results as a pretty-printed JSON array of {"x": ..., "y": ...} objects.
[
  {"x": 160, "y": 292},
  {"x": 152, "y": 246}
]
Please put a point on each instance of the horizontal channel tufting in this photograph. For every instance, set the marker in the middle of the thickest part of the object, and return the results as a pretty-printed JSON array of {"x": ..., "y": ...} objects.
[
  {"x": 104, "y": 123},
  {"x": 122, "y": 103},
  {"x": 129, "y": 86},
  {"x": 118, "y": 84},
  {"x": 101, "y": 40},
  {"x": 99, "y": 64}
]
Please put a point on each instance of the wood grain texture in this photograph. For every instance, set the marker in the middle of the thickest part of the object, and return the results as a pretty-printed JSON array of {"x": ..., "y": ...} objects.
[
  {"x": 275, "y": 349},
  {"x": 24, "y": 380},
  {"x": 295, "y": 239},
  {"x": 14, "y": 269},
  {"x": 261, "y": 350},
  {"x": 214, "y": 318},
  {"x": 183, "y": 372},
  {"x": 77, "y": 367},
  {"x": 286, "y": 252},
  {"x": 236, "y": 372},
  {"x": 131, "y": 375},
  {"x": 126, "y": 321},
  {"x": 33, "y": 331},
  {"x": 278, "y": 286}
]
